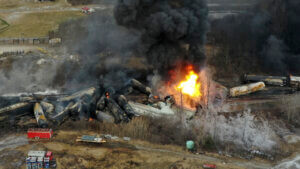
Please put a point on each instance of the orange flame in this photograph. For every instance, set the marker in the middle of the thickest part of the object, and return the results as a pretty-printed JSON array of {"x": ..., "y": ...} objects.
[
  {"x": 186, "y": 87},
  {"x": 191, "y": 86},
  {"x": 107, "y": 95}
]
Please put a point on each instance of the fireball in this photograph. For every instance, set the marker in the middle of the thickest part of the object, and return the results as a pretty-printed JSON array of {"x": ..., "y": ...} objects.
[
  {"x": 191, "y": 86},
  {"x": 186, "y": 86}
]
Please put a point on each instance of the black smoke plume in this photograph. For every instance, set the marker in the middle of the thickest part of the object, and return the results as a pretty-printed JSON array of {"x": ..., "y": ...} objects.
[
  {"x": 171, "y": 30},
  {"x": 104, "y": 48},
  {"x": 106, "y": 45},
  {"x": 263, "y": 39}
]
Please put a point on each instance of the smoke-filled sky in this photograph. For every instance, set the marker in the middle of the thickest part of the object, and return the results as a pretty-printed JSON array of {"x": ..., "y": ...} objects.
[
  {"x": 166, "y": 28},
  {"x": 157, "y": 32},
  {"x": 269, "y": 33},
  {"x": 161, "y": 32}
]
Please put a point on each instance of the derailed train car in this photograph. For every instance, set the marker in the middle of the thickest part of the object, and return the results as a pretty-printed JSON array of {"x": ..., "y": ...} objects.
[
  {"x": 246, "y": 89},
  {"x": 91, "y": 103},
  {"x": 289, "y": 81},
  {"x": 295, "y": 82},
  {"x": 40, "y": 115},
  {"x": 268, "y": 80}
]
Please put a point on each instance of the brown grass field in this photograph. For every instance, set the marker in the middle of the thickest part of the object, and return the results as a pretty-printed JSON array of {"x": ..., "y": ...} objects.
[
  {"x": 32, "y": 19},
  {"x": 12, "y": 4},
  {"x": 38, "y": 24},
  {"x": 114, "y": 154}
]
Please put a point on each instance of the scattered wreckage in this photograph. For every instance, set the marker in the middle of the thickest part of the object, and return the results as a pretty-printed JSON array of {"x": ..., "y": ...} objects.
[
  {"x": 257, "y": 83},
  {"x": 97, "y": 103},
  {"x": 290, "y": 81},
  {"x": 91, "y": 139},
  {"x": 112, "y": 106},
  {"x": 99, "y": 139}
]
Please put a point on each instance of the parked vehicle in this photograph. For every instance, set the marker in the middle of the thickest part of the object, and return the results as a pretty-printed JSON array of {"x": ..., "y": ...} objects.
[
  {"x": 39, "y": 133},
  {"x": 40, "y": 160},
  {"x": 87, "y": 10},
  {"x": 209, "y": 166}
]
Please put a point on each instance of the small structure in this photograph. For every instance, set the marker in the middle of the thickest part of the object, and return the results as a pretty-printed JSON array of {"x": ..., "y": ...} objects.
[
  {"x": 190, "y": 145},
  {"x": 39, "y": 133},
  {"x": 55, "y": 41},
  {"x": 87, "y": 10},
  {"x": 209, "y": 166}
]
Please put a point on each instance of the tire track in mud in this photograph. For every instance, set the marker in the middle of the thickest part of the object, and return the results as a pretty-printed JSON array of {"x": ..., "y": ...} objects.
[{"x": 248, "y": 165}]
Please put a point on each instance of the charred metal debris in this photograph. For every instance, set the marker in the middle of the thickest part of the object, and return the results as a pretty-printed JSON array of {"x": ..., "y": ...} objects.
[{"x": 92, "y": 103}]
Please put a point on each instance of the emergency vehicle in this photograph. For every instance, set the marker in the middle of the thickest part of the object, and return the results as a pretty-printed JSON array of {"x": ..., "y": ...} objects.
[
  {"x": 39, "y": 133},
  {"x": 40, "y": 160}
]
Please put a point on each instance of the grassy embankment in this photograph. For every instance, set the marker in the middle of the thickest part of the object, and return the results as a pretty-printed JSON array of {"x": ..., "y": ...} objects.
[
  {"x": 32, "y": 19},
  {"x": 38, "y": 24}
]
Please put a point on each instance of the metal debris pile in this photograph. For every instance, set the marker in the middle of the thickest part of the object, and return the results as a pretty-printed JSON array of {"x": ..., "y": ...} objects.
[
  {"x": 107, "y": 105},
  {"x": 93, "y": 103}
]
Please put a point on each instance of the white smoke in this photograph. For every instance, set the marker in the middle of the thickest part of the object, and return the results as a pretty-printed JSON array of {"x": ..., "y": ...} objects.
[
  {"x": 244, "y": 130},
  {"x": 29, "y": 73}
]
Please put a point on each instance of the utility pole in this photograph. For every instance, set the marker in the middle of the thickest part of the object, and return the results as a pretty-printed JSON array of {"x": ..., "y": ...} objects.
[
  {"x": 181, "y": 106},
  {"x": 208, "y": 87}
]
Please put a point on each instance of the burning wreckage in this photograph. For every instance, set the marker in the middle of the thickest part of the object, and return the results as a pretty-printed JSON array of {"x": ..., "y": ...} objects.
[
  {"x": 107, "y": 105},
  {"x": 191, "y": 100},
  {"x": 92, "y": 103}
]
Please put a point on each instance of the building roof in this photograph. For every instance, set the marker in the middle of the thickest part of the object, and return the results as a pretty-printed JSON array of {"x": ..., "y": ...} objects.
[
  {"x": 39, "y": 130},
  {"x": 86, "y": 8},
  {"x": 36, "y": 153}
]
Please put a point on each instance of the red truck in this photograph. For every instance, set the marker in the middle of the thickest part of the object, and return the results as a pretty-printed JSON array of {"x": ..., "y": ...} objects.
[{"x": 39, "y": 133}]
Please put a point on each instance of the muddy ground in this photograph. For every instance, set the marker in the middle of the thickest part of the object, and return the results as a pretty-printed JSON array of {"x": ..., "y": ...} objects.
[{"x": 118, "y": 154}]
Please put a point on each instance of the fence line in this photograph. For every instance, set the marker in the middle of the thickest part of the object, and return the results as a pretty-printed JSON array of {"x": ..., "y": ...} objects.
[{"x": 24, "y": 41}]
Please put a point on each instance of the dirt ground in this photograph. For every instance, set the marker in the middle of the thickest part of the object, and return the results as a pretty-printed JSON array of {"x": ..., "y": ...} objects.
[{"x": 118, "y": 154}]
